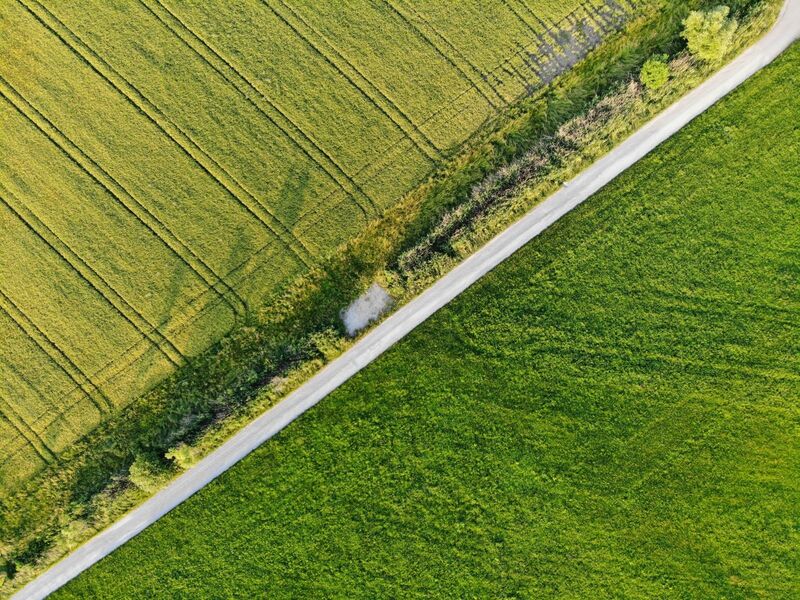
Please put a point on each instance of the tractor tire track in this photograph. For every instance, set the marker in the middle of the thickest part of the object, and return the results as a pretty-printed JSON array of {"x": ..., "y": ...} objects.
[
  {"x": 514, "y": 72},
  {"x": 533, "y": 15},
  {"x": 114, "y": 367},
  {"x": 120, "y": 367},
  {"x": 58, "y": 356},
  {"x": 9, "y": 414},
  {"x": 266, "y": 106},
  {"x": 243, "y": 196},
  {"x": 499, "y": 66},
  {"x": 372, "y": 345},
  {"x": 34, "y": 424},
  {"x": 177, "y": 322},
  {"x": 13, "y": 444},
  {"x": 92, "y": 278},
  {"x": 360, "y": 82},
  {"x": 151, "y": 222},
  {"x": 428, "y": 38},
  {"x": 510, "y": 6},
  {"x": 11, "y": 451}
]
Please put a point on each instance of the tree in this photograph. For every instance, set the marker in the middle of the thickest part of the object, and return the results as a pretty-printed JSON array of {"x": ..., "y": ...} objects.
[
  {"x": 655, "y": 72},
  {"x": 709, "y": 33}
]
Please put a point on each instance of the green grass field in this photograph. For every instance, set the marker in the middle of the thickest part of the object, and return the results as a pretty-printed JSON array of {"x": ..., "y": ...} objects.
[
  {"x": 167, "y": 166},
  {"x": 613, "y": 412}
]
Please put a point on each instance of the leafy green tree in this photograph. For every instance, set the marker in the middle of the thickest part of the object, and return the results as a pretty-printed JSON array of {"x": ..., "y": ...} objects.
[
  {"x": 655, "y": 72},
  {"x": 709, "y": 33}
]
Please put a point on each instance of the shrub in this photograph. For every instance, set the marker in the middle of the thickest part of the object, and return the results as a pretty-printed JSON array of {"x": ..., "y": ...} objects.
[
  {"x": 31, "y": 554},
  {"x": 655, "y": 72},
  {"x": 183, "y": 456},
  {"x": 10, "y": 569},
  {"x": 328, "y": 343},
  {"x": 709, "y": 34},
  {"x": 146, "y": 475}
]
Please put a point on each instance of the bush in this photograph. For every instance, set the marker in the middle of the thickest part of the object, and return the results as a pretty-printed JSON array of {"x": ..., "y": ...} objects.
[
  {"x": 655, "y": 72},
  {"x": 146, "y": 475},
  {"x": 328, "y": 343},
  {"x": 10, "y": 569},
  {"x": 709, "y": 34},
  {"x": 183, "y": 456}
]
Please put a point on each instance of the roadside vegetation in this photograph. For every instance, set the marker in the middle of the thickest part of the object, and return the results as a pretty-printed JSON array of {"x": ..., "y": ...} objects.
[
  {"x": 612, "y": 412},
  {"x": 534, "y": 146}
]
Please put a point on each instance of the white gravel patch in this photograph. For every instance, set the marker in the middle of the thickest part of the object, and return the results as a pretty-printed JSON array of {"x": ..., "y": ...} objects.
[{"x": 365, "y": 309}]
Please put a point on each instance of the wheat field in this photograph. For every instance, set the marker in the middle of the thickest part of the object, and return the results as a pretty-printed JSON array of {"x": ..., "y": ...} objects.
[{"x": 166, "y": 166}]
